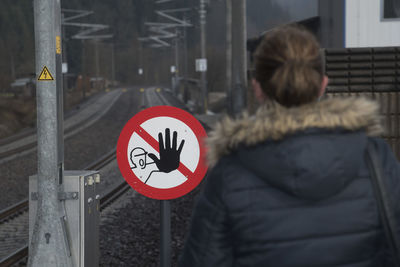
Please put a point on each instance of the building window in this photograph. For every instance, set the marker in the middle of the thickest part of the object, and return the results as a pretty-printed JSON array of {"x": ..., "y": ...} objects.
[{"x": 391, "y": 9}]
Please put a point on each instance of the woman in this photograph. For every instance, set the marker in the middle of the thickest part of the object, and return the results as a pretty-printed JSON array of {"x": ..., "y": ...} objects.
[{"x": 290, "y": 186}]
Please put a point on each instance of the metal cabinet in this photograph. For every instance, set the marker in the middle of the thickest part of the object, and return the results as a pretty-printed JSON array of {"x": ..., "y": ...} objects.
[{"x": 81, "y": 206}]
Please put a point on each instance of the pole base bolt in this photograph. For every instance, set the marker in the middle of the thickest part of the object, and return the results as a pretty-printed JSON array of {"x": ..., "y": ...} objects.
[{"x": 47, "y": 236}]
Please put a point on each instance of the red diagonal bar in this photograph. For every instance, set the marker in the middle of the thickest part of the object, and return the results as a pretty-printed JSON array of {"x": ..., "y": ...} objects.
[{"x": 154, "y": 144}]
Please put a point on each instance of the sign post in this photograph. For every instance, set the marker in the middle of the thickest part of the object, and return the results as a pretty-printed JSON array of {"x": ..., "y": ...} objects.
[
  {"x": 203, "y": 50},
  {"x": 239, "y": 56},
  {"x": 165, "y": 234},
  {"x": 161, "y": 154}
]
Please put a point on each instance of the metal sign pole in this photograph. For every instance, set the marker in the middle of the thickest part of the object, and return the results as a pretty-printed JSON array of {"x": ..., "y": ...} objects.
[
  {"x": 60, "y": 90},
  {"x": 229, "y": 97},
  {"x": 185, "y": 65},
  {"x": 177, "y": 65},
  {"x": 97, "y": 62},
  {"x": 113, "y": 64},
  {"x": 204, "y": 92},
  {"x": 239, "y": 56},
  {"x": 64, "y": 61},
  {"x": 47, "y": 246},
  {"x": 165, "y": 240}
]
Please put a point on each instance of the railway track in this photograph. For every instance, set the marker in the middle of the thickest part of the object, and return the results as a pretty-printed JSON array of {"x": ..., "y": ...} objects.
[
  {"x": 11, "y": 217},
  {"x": 32, "y": 144},
  {"x": 29, "y": 131},
  {"x": 12, "y": 214}
]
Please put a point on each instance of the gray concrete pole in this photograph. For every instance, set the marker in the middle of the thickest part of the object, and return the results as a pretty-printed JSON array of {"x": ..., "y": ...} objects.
[
  {"x": 177, "y": 65},
  {"x": 239, "y": 55},
  {"x": 60, "y": 89},
  {"x": 84, "y": 69},
  {"x": 185, "y": 72},
  {"x": 172, "y": 59},
  {"x": 229, "y": 97},
  {"x": 64, "y": 60},
  {"x": 12, "y": 66},
  {"x": 203, "y": 41},
  {"x": 113, "y": 63},
  {"x": 48, "y": 246},
  {"x": 141, "y": 52},
  {"x": 97, "y": 62}
]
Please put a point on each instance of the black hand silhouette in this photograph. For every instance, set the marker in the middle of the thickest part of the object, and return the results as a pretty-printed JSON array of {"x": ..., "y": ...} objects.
[{"x": 169, "y": 156}]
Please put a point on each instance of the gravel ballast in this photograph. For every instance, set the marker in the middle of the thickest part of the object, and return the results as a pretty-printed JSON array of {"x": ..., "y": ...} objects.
[
  {"x": 81, "y": 149},
  {"x": 129, "y": 228}
]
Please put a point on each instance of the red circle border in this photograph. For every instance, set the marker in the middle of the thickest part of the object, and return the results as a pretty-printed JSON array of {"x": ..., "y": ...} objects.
[{"x": 123, "y": 161}]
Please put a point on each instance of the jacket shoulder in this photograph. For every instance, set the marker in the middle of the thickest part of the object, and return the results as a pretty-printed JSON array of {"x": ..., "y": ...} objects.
[
  {"x": 385, "y": 153},
  {"x": 390, "y": 165}
]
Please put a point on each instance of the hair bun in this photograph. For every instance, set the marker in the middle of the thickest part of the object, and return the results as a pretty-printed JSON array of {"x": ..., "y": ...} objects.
[
  {"x": 295, "y": 62},
  {"x": 288, "y": 66}
]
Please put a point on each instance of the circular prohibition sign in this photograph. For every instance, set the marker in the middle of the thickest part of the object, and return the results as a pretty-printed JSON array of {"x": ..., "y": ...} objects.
[{"x": 140, "y": 143}]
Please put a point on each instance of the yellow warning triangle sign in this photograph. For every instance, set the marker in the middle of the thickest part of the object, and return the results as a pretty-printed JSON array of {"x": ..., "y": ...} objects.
[{"x": 45, "y": 75}]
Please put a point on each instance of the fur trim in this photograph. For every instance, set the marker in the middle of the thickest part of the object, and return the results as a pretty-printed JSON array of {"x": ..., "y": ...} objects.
[{"x": 273, "y": 121}]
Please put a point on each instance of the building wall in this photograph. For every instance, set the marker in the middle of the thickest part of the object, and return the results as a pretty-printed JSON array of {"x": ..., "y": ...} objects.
[
  {"x": 331, "y": 30},
  {"x": 263, "y": 15},
  {"x": 365, "y": 28}
]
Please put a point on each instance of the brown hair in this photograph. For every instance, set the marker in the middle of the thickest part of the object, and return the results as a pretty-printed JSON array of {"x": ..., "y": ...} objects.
[{"x": 288, "y": 66}]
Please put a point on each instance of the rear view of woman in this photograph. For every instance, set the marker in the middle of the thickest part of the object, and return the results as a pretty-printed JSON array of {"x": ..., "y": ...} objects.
[{"x": 290, "y": 185}]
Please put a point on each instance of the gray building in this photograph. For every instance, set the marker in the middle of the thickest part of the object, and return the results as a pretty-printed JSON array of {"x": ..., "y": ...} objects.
[{"x": 336, "y": 23}]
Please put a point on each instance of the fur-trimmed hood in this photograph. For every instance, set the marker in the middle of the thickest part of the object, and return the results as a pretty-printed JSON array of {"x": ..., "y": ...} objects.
[
  {"x": 311, "y": 152},
  {"x": 273, "y": 121}
]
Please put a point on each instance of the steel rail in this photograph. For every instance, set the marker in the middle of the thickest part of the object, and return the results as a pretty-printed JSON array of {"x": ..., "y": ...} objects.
[
  {"x": 34, "y": 144},
  {"x": 12, "y": 211},
  {"x": 108, "y": 198},
  {"x": 23, "y": 206},
  {"x": 31, "y": 131},
  {"x": 18, "y": 136},
  {"x": 15, "y": 257}
]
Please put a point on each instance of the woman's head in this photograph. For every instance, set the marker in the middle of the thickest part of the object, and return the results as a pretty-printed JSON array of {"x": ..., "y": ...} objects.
[{"x": 288, "y": 66}]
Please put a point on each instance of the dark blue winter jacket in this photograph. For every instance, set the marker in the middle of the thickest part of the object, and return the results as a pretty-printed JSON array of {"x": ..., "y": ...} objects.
[{"x": 290, "y": 187}]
